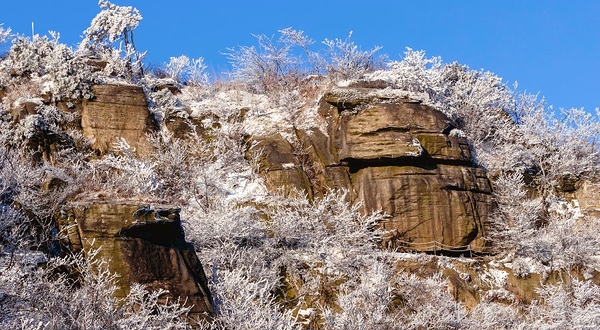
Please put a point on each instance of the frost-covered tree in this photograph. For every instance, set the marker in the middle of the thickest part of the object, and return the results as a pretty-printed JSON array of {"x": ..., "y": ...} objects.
[
  {"x": 114, "y": 24},
  {"x": 347, "y": 60},
  {"x": 4, "y": 33}
]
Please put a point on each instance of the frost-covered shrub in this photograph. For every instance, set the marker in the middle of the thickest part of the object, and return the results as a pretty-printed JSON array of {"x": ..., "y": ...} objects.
[
  {"x": 427, "y": 304},
  {"x": 25, "y": 210},
  {"x": 124, "y": 173},
  {"x": 164, "y": 105},
  {"x": 572, "y": 304},
  {"x": 554, "y": 233},
  {"x": 114, "y": 24},
  {"x": 5, "y": 34},
  {"x": 346, "y": 60},
  {"x": 567, "y": 241},
  {"x": 287, "y": 240},
  {"x": 521, "y": 268},
  {"x": 78, "y": 292},
  {"x": 15, "y": 229},
  {"x": 367, "y": 304},
  {"x": 186, "y": 70},
  {"x": 244, "y": 303},
  {"x": 180, "y": 165},
  {"x": 277, "y": 65},
  {"x": 494, "y": 316},
  {"x": 119, "y": 65},
  {"x": 517, "y": 217},
  {"x": 268, "y": 67},
  {"x": 560, "y": 146},
  {"x": 59, "y": 73},
  {"x": 329, "y": 228}
]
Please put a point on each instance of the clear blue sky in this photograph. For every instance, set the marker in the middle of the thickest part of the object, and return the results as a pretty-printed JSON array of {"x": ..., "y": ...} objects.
[{"x": 548, "y": 46}]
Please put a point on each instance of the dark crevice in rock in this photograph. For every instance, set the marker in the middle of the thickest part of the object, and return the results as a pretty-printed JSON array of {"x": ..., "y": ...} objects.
[
  {"x": 449, "y": 127},
  {"x": 403, "y": 129},
  {"x": 165, "y": 233},
  {"x": 460, "y": 253},
  {"x": 426, "y": 163},
  {"x": 475, "y": 190}
]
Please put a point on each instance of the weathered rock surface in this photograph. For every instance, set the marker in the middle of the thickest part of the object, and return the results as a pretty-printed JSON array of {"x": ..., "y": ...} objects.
[
  {"x": 280, "y": 167},
  {"x": 117, "y": 111},
  {"x": 395, "y": 155},
  {"x": 584, "y": 192},
  {"x": 143, "y": 244},
  {"x": 440, "y": 203},
  {"x": 588, "y": 195}
]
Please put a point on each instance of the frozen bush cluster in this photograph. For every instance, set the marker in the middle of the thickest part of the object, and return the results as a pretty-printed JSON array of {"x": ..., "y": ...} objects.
[
  {"x": 4, "y": 33},
  {"x": 184, "y": 69},
  {"x": 278, "y": 65},
  {"x": 56, "y": 70},
  {"x": 47, "y": 297},
  {"x": 347, "y": 60}
]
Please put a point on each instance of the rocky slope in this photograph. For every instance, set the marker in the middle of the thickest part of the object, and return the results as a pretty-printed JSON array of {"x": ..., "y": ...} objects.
[{"x": 391, "y": 153}]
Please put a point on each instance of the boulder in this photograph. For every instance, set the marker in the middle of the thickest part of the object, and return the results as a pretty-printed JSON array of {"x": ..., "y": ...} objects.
[
  {"x": 117, "y": 111},
  {"x": 142, "y": 243},
  {"x": 410, "y": 161},
  {"x": 582, "y": 192}
]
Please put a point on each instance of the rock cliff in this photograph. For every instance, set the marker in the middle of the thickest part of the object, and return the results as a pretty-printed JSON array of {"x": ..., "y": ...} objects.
[{"x": 395, "y": 155}]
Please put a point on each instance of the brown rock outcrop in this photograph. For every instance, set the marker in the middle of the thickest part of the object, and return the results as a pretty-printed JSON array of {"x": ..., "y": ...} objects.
[
  {"x": 402, "y": 157},
  {"x": 117, "y": 111},
  {"x": 143, "y": 244}
]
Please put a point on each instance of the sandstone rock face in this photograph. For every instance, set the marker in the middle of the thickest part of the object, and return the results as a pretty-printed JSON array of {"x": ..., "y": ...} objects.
[
  {"x": 117, "y": 111},
  {"x": 401, "y": 157},
  {"x": 588, "y": 196},
  {"x": 583, "y": 192},
  {"x": 143, "y": 244},
  {"x": 440, "y": 203},
  {"x": 280, "y": 167}
]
